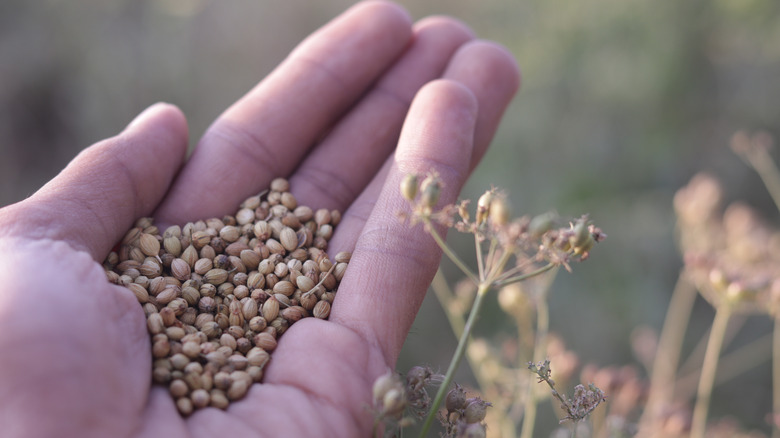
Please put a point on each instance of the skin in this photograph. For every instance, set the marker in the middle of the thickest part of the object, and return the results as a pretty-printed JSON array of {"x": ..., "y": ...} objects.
[{"x": 362, "y": 101}]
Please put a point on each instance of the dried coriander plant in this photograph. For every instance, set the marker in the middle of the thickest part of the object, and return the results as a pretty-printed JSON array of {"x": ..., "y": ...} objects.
[
  {"x": 508, "y": 251},
  {"x": 218, "y": 293}
]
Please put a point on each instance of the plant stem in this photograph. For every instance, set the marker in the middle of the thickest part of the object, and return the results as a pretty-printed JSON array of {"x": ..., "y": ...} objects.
[
  {"x": 456, "y": 358},
  {"x": 517, "y": 278},
  {"x": 731, "y": 365},
  {"x": 448, "y": 252},
  {"x": 776, "y": 379},
  {"x": 709, "y": 368},
  {"x": 763, "y": 164},
  {"x": 540, "y": 350},
  {"x": 667, "y": 355},
  {"x": 480, "y": 262}
]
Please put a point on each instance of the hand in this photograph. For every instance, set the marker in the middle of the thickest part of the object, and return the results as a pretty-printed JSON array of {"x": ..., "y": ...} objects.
[{"x": 353, "y": 108}]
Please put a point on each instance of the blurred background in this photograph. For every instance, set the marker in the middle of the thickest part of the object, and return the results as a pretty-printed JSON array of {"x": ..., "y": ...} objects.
[{"x": 622, "y": 102}]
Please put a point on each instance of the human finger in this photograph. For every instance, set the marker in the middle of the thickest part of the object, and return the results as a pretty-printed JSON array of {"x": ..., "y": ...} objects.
[
  {"x": 492, "y": 75},
  {"x": 340, "y": 167},
  {"x": 393, "y": 263},
  {"x": 266, "y": 133},
  {"x": 96, "y": 198}
]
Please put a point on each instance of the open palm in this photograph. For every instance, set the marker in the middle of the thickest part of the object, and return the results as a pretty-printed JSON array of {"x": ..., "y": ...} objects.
[{"x": 362, "y": 101}]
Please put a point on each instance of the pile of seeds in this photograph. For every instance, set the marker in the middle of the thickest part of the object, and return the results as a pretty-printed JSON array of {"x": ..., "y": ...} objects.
[{"x": 218, "y": 293}]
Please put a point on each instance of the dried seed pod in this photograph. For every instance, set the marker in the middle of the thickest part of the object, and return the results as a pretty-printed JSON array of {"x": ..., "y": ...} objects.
[
  {"x": 141, "y": 294},
  {"x": 184, "y": 406},
  {"x": 409, "y": 186},
  {"x": 200, "y": 398},
  {"x": 304, "y": 283},
  {"x": 322, "y": 217},
  {"x": 150, "y": 269},
  {"x": 285, "y": 288},
  {"x": 161, "y": 375},
  {"x": 339, "y": 271},
  {"x": 172, "y": 245},
  {"x": 222, "y": 320},
  {"x": 283, "y": 300},
  {"x": 178, "y": 388},
  {"x": 245, "y": 216},
  {"x": 274, "y": 246},
  {"x": 476, "y": 410},
  {"x": 243, "y": 345},
  {"x": 257, "y": 324},
  {"x": 207, "y": 305},
  {"x": 456, "y": 399},
  {"x": 215, "y": 276},
  {"x": 190, "y": 255},
  {"x": 180, "y": 269},
  {"x": 255, "y": 280},
  {"x": 262, "y": 230},
  {"x": 191, "y": 349},
  {"x": 237, "y": 390},
  {"x": 193, "y": 368},
  {"x": 325, "y": 231},
  {"x": 179, "y": 361},
  {"x": 308, "y": 301},
  {"x": 161, "y": 349},
  {"x": 279, "y": 325},
  {"x": 280, "y": 185},
  {"x": 211, "y": 330},
  {"x": 219, "y": 399},
  {"x": 200, "y": 239},
  {"x": 249, "y": 309},
  {"x": 238, "y": 361},
  {"x": 149, "y": 245},
  {"x": 294, "y": 313},
  {"x": 250, "y": 259},
  {"x": 256, "y": 373},
  {"x": 288, "y": 239},
  {"x": 265, "y": 341},
  {"x": 321, "y": 310},
  {"x": 235, "y": 248},
  {"x": 430, "y": 190},
  {"x": 191, "y": 295},
  {"x": 230, "y": 233},
  {"x": 241, "y": 292},
  {"x": 270, "y": 310},
  {"x": 175, "y": 333},
  {"x": 343, "y": 257},
  {"x": 154, "y": 323},
  {"x": 168, "y": 316},
  {"x": 257, "y": 357},
  {"x": 188, "y": 317}
]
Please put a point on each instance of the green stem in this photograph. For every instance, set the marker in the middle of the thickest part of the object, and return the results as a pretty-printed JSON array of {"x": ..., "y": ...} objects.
[
  {"x": 709, "y": 368},
  {"x": 776, "y": 379},
  {"x": 456, "y": 358},
  {"x": 540, "y": 350},
  {"x": 448, "y": 252}
]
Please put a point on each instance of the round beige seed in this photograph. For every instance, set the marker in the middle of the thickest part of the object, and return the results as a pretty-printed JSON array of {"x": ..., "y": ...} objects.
[
  {"x": 149, "y": 245},
  {"x": 200, "y": 398},
  {"x": 321, "y": 310},
  {"x": 184, "y": 405}
]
